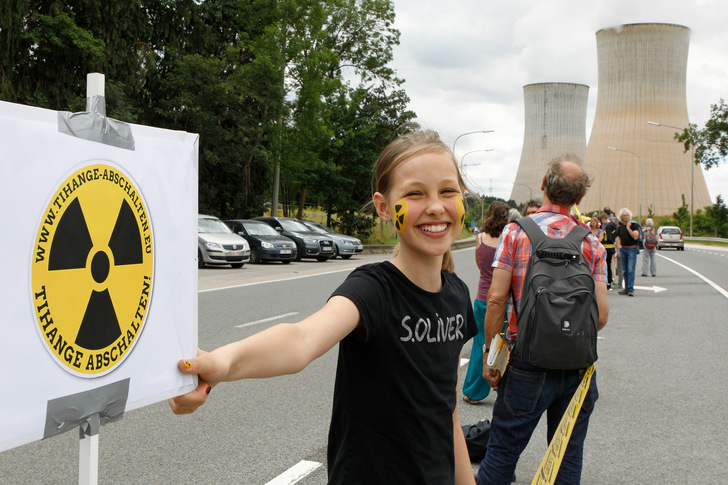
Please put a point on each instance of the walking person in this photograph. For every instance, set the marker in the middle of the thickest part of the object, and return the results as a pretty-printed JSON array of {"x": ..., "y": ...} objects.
[
  {"x": 532, "y": 206},
  {"x": 525, "y": 392},
  {"x": 394, "y": 416},
  {"x": 627, "y": 249},
  {"x": 608, "y": 237},
  {"x": 649, "y": 253},
  {"x": 475, "y": 388}
]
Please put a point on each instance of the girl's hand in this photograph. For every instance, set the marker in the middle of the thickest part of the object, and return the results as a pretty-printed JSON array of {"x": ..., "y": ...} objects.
[{"x": 208, "y": 370}]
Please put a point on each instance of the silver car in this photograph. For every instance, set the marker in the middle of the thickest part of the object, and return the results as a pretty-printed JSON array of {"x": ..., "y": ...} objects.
[
  {"x": 670, "y": 237},
  {"x": 344, "y": 246},
  {"x": 217, "y": 244}
]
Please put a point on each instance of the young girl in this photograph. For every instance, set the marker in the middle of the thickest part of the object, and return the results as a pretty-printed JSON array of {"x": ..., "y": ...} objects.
[{"x": 401, "y": 325}]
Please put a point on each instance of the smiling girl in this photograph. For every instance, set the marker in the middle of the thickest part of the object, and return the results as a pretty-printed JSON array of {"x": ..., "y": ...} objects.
[{"x": 401, "y": 325}]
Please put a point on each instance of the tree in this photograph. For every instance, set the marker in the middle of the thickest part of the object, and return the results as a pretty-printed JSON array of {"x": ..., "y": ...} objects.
[
  {"x": 682, "y": 215},
  {"x": 718, "y": 214},
  {"x": 711, "y": 142}
]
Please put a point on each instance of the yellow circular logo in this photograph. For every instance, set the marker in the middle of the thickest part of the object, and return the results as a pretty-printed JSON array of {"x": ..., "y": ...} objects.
[{"x": 92, "y": 270}]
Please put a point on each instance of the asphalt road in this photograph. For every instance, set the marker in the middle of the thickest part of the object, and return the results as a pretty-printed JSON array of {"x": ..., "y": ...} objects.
[{"x": 661, "y": 417}]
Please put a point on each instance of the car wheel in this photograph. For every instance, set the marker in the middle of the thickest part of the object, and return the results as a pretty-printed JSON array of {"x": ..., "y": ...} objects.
[
  {"x": 200, "y": 261},
  {"x": 299, "y": 253},
  {"x": 254, "y": 256},
  {"x": 346, "y": 256},
  {"x": 335, "y": 252},
  {"x": 659, "y": 248},
  {"x": 321, "y": 259},
  {"x": 286, "y": 262},
  {"x": 237, "y": 265}
]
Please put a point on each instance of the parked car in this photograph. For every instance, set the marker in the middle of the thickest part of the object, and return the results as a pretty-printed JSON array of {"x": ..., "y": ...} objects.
[
  {"x": 344, "y": 246},
  {"x": 310, "y": 244},
  {"x": 265, "y": 242},
  {"x": 217, "y": 244},
  {"x": 670, "y": 237}
]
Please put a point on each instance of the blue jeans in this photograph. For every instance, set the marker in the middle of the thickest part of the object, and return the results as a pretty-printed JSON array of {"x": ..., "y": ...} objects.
[
  {"x": 629, "y": 263},
  {"x": 524, "y": 394},
  {"x": 474, "y": 386}
]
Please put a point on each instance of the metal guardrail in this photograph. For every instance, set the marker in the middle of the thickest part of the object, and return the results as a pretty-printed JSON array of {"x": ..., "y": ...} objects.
[{"x": 712, "y": 239}]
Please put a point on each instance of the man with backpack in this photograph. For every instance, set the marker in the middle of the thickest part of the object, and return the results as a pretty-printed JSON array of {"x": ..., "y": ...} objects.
[{"x": 526, "y": 391}]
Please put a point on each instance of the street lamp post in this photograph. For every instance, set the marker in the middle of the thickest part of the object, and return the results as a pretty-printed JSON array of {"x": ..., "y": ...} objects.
[
  {"x": 474, "y": 151},
  {"x": 468, "y": 133},
  {"x": 692, "y": 166},
  {"x": 530, "y": 192},
  {"x": 640, "y": 181}
]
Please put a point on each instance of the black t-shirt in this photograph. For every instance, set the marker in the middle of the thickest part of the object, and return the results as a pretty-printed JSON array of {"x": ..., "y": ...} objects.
[
  {"x": 396, "y": 389},
  {"x": 625, "y": 238}
]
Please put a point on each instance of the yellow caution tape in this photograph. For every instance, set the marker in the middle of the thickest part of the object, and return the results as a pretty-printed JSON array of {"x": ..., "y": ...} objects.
[{"x": 549, "y": 468}]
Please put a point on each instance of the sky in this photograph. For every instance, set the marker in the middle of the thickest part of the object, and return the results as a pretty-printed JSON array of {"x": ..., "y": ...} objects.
[{"x": 465, "y": 63}]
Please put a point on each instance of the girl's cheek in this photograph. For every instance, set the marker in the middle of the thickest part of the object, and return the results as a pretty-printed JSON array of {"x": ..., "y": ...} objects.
[
  {"x": 460, "y": 206},
  {"x": 401, "y": 210}
]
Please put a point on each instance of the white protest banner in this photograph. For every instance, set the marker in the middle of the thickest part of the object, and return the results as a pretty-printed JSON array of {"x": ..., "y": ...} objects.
[{"x": 98, "y": 296}]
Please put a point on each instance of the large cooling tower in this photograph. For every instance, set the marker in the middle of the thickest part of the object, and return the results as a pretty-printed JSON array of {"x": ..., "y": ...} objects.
[
  {"x": 555, "y": 124},
  {"x": 642, "y": 70}
]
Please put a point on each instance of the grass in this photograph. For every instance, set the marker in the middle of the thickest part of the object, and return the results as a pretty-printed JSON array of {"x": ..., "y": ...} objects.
[{"x": 706, "y": 243}]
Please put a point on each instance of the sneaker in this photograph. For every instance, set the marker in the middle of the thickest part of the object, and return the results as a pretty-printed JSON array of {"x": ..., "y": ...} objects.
[
  {"x": 624, "y": 292},
  {"x": 609, "y": 287},
  {"x": 644, "y": 275},
  {"x": 630, "y": 293}
]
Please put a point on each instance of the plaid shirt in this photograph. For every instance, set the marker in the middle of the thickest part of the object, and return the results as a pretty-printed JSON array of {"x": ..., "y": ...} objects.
[{"x": 514, "y": 251}]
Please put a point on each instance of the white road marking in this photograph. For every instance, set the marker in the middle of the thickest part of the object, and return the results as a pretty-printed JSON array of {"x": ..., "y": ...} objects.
[
  {"x": 710, "y": 282},
  {"x": 250, "y": 324},
  {"x": 294, "y": 474},
  {"x": 654, "y": 288}
]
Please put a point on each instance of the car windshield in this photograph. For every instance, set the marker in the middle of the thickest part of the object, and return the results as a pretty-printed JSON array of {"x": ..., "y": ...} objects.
[
  {"x": 259, "y": 229},
  {"x": 293, "y": 226},
  {"x": 212, "y": 226},
  {"x": 322, "y": 229}
]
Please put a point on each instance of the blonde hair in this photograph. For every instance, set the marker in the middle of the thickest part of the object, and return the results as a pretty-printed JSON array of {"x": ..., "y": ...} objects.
[{"x": 402, "y": 149}]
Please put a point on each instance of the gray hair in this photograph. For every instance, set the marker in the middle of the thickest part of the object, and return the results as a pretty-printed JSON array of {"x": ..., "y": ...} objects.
[{"x": 623, "y": 210}]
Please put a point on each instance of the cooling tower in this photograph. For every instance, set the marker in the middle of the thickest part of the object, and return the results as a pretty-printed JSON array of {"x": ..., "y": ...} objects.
[
  {"x": 642, "y": 70},
  {"x": 555, "y": 124}
]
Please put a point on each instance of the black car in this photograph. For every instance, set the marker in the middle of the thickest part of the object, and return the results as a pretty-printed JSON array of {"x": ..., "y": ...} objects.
[
  {"x": 310, "y": 244},
  {"x": 266, "y": 244}
]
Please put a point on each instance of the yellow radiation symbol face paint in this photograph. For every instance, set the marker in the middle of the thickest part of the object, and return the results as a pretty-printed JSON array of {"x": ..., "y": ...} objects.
[
  {"x": 401, "y": 209},
  {"x": 460, "y": 206},
  {"x": 92, "y": 269}
]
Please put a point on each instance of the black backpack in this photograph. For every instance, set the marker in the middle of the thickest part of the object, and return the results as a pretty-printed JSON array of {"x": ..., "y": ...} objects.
[{"x": 558, "y": 316}]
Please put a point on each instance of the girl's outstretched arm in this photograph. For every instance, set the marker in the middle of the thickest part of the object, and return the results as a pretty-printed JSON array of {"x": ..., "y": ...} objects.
[{"x": 283, "y": 349}]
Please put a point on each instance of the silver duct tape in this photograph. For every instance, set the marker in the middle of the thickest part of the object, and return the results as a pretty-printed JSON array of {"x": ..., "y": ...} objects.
[
  {"x": 93, "y": 125},
  {"x": 88, "y": 409}
]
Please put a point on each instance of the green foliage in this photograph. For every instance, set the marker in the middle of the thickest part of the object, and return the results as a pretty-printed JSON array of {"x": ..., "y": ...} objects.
[
  {"x": 717, "y": 214},
  {"x": 682, "y": 215},
  {"x": 711, "y": 142}
]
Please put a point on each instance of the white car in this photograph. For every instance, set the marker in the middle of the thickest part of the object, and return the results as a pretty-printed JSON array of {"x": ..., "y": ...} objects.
[
  {"x": 217, "y": 244},
  {"x": 670, "y": 237}
]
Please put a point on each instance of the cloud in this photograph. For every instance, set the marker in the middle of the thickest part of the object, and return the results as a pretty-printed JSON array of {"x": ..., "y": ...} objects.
[{"x": 465, "y": 64}]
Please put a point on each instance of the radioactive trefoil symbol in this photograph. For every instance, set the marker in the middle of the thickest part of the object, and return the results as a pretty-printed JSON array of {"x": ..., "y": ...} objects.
[{"x": 92, "y": 270}]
